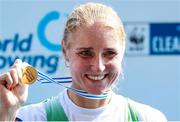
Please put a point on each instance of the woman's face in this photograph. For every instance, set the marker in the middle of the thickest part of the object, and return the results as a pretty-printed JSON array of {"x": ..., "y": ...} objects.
[{"x": 95, "y": 57}]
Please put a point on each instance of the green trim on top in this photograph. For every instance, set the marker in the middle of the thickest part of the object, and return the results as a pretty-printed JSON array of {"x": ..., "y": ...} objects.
[
  {"x": 132, "y": 115},
  {"x": 54, "y": 110}
]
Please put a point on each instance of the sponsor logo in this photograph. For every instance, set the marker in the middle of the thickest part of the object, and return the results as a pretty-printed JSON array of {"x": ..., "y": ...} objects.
[
  {"x": 137, "y": 37},
  {"x": 165, "y": 38},
  {"x": 21, "y": 47},
  {"x": 52, "y": 16},
  {"x": 152, "y": 39}
]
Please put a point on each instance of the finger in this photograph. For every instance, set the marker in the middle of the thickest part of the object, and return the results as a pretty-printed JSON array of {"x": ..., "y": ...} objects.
[
  {"x": 14, "y": 75},
  {"x": 3, "y": 79},
  {"x": 19, "y": 69},
  {"x": 19, "y": 66},
  {"x": 7, "y": 79},
  {"x": 19, "y": 72},
  {"x": 17, "y": 63}
]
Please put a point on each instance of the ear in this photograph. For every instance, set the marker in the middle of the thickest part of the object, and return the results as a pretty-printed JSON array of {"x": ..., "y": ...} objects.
[{"x": 64, "y": 50}]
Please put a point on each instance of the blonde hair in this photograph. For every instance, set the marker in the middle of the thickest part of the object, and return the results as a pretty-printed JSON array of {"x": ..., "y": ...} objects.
[{"x": 88, "y": 14}]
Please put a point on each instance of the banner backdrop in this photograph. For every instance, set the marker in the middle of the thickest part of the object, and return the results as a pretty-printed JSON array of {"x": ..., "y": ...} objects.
[{"x": 32, "y": 31}]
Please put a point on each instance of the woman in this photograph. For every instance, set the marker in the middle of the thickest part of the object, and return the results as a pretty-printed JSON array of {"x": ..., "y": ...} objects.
[{"x": 93, "y": 46}]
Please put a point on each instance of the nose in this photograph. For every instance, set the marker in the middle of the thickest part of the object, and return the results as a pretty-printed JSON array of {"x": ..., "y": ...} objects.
[{"x": 98, "y": 64}]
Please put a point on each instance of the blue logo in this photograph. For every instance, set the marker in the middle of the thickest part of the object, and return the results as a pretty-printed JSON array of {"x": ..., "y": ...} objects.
[
  {"x": 18, "y": 44},
  {"x": 52, "y": 16},
  {"x": 165, "y": 38}
]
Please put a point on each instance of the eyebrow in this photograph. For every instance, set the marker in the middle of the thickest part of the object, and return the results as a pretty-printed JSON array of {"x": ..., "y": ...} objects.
[
  {"x": 84, "y": 48},
  {"x": 109, "y": 49},
  {"x": 90, "y": 48}
]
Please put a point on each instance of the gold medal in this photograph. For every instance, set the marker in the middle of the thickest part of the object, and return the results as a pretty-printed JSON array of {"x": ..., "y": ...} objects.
[{"x": 30, "y": 75}]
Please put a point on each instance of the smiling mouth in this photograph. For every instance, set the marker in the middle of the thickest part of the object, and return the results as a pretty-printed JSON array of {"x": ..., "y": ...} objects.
[{"x": 96, "y": 77}]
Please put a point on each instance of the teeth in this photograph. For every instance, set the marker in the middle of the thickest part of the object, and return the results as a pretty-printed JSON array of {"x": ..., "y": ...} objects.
[{"x": 100, "y": 77}]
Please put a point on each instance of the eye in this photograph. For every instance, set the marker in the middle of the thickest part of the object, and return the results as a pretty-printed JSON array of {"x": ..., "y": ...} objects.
[
  {"x": 109, "y": 54},
  {"x": 86, "y": 53}
]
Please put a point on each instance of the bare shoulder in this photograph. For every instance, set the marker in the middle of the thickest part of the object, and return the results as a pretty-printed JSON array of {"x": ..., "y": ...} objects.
[{"x": 146, "y": 112}]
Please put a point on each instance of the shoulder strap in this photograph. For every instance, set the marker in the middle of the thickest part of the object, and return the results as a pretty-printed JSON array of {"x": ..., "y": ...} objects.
[
  {"x": 54, "y": 110},
  {"x": 132, "y": 115}
]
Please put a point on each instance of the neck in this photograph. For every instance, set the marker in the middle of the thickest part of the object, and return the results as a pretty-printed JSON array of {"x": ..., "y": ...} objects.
[{"x": 87, "y": 103}]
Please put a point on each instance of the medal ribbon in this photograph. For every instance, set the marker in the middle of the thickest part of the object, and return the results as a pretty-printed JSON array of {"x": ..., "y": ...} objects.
[{"x": 46, "y": 79}]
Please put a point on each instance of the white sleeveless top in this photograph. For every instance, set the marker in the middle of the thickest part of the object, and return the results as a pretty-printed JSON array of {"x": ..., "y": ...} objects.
[{"x": 115, "y": 111}]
